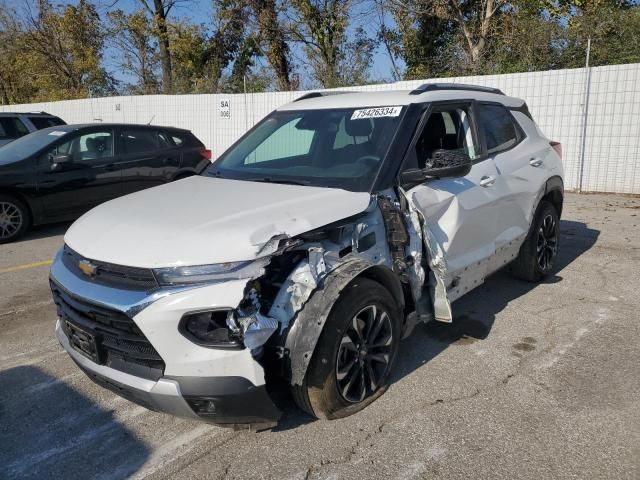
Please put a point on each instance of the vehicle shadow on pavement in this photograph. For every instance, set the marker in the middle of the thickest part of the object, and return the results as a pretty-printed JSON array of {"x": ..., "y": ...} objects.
[
  {"x": 475, "y": 313},
  {"x": 49, "y": 430},
  {"x": 44, "y": 231}
]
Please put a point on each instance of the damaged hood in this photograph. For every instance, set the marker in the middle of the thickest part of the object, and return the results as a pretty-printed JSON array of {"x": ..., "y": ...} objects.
[{"x": 204, "y": 220}]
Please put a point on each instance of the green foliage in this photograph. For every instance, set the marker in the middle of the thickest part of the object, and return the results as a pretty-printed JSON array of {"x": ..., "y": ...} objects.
[
  {"x": 52, "y": 52},
  {"x": 56, "y": 54}
]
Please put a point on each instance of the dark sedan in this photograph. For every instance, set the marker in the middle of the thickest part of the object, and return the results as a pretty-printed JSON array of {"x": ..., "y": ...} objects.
[{"x": 58, "y": 173}]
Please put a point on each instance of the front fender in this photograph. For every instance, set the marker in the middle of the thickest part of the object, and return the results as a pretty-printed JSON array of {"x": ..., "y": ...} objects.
[{"x": 305, "y": 331}]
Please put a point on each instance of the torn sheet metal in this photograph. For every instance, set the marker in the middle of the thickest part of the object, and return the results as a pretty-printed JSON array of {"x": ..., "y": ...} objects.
[{"x": 437, "y": 263}]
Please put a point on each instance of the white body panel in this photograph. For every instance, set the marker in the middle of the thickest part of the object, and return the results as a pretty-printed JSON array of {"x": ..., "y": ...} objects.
[
  {"x": 203, "y": 220},
  {"x": 159, "y": 322}
]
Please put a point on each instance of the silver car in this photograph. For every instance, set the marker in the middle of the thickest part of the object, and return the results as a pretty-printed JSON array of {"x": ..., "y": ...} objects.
[{"x": 16, "y": 125}]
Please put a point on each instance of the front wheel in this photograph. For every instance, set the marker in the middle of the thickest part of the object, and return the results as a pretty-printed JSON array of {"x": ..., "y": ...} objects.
[
  {"x": 355, "y": 353},
  {"x": 538, "y": 253},
  {"x": 14, "y": 219}
]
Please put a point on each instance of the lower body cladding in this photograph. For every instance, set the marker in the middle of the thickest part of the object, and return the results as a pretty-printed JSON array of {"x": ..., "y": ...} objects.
[{"x": 128, "y": 342}]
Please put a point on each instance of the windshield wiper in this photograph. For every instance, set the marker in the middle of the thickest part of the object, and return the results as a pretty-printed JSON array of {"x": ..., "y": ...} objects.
[{"x": 279, "y": 180}]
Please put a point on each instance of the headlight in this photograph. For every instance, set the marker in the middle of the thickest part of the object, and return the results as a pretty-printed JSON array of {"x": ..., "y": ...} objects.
[{"x": 200, "y": 273}]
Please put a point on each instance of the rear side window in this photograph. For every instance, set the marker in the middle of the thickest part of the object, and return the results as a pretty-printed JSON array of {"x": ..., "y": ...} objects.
[
  {"x": 185, "y": 139},
  {"x": 11, "y": 127},
  {"x": 140, "y": 140},
  {"x": 45, "y": 122},
  {"x": 500, "y": 133}
]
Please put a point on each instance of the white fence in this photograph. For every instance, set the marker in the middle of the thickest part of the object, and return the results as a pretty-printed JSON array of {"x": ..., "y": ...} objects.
[{"x": 594, "y": 113}]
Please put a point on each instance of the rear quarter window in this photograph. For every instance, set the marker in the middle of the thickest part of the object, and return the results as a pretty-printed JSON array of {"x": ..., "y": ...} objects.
[
  {"x": 185, "y": 139},
  {"x": 11, "y": 128},
  {"x": 45, "y": 122},
  {"x": 500, "y": 132}
]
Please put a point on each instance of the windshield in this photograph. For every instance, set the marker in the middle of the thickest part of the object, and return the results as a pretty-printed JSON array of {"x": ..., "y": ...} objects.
[
  {"x": 30, "y": 144},
  {"x": 342, "y": 148}
]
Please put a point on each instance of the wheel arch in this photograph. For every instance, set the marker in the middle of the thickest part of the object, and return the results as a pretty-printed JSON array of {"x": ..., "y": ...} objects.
[
  {"x": 554, "y": 193},
  {"x": 309, "y": 322}
]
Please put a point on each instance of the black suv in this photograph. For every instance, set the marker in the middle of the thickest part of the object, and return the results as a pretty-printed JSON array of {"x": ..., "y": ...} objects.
[
  {"x": 16, "y": 125},
  {"x": 57, "y": 173}
]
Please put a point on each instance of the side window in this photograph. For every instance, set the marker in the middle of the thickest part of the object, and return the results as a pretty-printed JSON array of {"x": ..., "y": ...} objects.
[
  {"x": 11, "y": 128},
  {"x": 285, "y": 142},
  {"x": 499, "y": 131},
  {"x": 45, "y": 122},
  {"x": 90, "y": 146},
  {"x": 163, "y": 138},
  {"x": 177, "y": 140},
  {"x": 140, "y": 140},
  {"x": 447, "y": 129}
]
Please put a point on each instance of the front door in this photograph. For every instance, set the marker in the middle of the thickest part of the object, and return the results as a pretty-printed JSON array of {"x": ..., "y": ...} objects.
[
  {"x": 88, "y": 178},
  {"x": 458, "y": 214}
]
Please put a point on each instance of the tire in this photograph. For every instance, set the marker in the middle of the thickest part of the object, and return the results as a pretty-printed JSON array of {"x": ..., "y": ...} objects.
[
  {"x": 539, "y": 250},
  {"x": 323, "y": 394},
  {"x": 15, "y": 219}
]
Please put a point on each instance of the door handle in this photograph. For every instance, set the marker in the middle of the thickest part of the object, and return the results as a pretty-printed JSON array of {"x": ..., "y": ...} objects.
[
  {"x": 110, "y": 167},
  {"x": 487, "y": 181},
  {"x": 535, "y": 162}
]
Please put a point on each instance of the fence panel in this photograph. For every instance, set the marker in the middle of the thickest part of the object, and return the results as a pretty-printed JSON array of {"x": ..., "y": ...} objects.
[{"x": 608, "y": 144}]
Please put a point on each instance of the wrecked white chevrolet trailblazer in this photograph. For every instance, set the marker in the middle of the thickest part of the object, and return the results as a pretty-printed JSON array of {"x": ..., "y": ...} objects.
[{"x": 307, "y": 251}]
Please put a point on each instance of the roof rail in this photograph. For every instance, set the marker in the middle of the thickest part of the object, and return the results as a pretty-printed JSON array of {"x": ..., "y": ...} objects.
[
  {"x": 319, "y": 94},
  {"x": 430, "y": 87}
]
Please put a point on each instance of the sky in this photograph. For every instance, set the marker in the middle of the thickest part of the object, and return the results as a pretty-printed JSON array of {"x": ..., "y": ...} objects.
[{"x": 201, "y": 11}]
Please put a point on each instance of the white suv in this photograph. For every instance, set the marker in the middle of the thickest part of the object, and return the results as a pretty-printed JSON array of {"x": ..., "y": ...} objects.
[{"x": 307, "y": 251}]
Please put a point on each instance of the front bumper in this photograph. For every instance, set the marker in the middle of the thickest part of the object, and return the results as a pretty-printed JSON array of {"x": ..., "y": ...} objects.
[
  {"x": 220, "y": 400},
  {"x": 219, "y": 386}
]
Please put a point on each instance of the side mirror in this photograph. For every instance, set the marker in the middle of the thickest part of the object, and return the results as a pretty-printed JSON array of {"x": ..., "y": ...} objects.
[
  {"x": 444, "y": 164},
  {"x": 64, "y": 158}
]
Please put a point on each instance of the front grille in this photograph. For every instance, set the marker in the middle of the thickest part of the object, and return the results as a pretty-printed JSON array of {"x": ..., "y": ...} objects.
[
  {"x": 110, "y": 274},
  {"x": 119, "y": 343}
]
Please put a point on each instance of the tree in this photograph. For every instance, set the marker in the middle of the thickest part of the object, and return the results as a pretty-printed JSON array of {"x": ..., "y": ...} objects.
[
  {"x": 276, "y": 49},
  {"x": 474, "y": 21},
  {"x": 132, "y": 35},
  {"x": 64, "y": 52},
  {"x": 321, "y": 27},
  {"x": 160, "y": 11}
]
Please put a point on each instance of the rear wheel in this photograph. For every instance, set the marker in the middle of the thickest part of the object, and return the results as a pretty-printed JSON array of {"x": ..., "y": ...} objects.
[
  {"x": 538, "y": 253},
  {"x": 14, "y": 218},
  {"x": 355, "y": 353}
]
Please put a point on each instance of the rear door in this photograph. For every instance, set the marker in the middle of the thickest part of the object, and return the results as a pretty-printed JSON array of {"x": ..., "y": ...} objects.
[
  {"x": 147, "y": 159},
  {"x": 521, "y": 174},
  {"x": 91, "y": 176},
  {"x": 458, "y": 214}
]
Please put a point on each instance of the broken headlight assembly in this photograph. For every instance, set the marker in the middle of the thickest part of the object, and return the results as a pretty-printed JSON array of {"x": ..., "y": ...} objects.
[
  {"x": 227, "y": 329},
  {"x": 210, "y": 329}
]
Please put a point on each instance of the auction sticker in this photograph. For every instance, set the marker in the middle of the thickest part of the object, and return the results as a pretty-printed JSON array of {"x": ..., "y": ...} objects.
[
  {"x": 57, "y": 133},
  {"x": 376, "y": 112}
]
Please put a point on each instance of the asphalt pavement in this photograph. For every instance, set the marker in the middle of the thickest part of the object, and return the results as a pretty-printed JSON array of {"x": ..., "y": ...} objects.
[{"x": 531, "y": 381}]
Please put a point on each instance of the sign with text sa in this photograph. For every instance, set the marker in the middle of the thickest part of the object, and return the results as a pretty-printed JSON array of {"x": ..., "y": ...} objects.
[{"x": 225, "y": 108}]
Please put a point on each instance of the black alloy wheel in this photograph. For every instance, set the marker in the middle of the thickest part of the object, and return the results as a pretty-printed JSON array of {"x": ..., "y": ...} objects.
[{"x": 364, "y": 354}]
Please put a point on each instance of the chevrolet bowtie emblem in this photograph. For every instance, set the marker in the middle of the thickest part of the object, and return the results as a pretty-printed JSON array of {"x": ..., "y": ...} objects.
[{"x": 88, "y": 268}]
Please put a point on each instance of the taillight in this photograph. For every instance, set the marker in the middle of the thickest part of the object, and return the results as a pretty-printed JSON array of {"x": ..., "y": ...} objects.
[
  {"x": 205, "y": 153},
  {"x": 557, "y": 146}
]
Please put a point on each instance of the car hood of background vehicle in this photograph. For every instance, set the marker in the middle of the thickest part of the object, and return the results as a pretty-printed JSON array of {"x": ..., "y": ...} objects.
[{"x": 204, "y": 220}]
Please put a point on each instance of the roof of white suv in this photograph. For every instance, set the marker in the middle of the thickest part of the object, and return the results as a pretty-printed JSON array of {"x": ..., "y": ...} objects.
[{"x": 396, "y": 97}]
